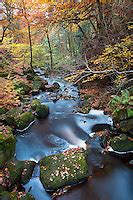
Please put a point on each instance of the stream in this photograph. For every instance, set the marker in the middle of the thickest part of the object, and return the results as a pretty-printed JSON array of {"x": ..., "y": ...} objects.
[{"x": 65, "y": 128}]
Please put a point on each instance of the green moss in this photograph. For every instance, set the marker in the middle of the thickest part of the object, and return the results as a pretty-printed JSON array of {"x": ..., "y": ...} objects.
[
  {"x": 28, "y": 167},
  {"x": 121, "y": 143},
  {"x": 64, "y": 169},
  {"x": 21, "y": 88},
  {"x": 130, "y": 113},
  {"x": 11, "y": 116},
  {"x": 35, "y": 103},
  {"x": 37, "y": 83},
  {"x": 3, "y": 110},
  {"x": 23, "y": 120},
  {"x": 42, "y": 111},
  {"x": 127, "y": 126},
  {"x": 19, "y": 171},
  {"x": 7, "y": 148},
  {"x": 15, "y": 196}
]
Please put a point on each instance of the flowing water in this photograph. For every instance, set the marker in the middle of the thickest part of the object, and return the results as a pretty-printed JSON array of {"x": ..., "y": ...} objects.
[{"x": 65, "y": 128}]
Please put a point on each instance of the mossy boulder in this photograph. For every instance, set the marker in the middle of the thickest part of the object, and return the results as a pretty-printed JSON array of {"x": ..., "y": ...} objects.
[
  {"x": 23, "y": 120},
  {"x": 19, "y": 171},
  {"x": 39, "y": 84},
  {"x": 42, "y": 111},
  {"x": 35, "y": 103},
  {"x": 11, "y": 116},
  {"x": 16, "y": 195},
  {"x": 125, "y": 118},
  {"x": 120, "y": 115},
  {"x": 64, "y": 169},
  {"x": 3, "y": 110},
  {"x": 21, "y": 88},
  {"x": 127, "y": 126},
  {"x": 122, "y": 143},
  {"x": 7, "y": 148}
]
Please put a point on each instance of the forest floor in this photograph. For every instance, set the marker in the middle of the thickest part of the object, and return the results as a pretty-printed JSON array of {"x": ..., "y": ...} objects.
[{"x": 97, "y": 94}]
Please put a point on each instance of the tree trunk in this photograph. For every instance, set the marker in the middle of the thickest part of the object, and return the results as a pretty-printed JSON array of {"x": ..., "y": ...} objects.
[
  {"x": 3, "y": 34},
  {"x": 85, "y": 36},
  {"x": 29, "y": 34},
  {"x": 50, "y": 51},
  {"x": 30, "y": 43},
  {"x": 101, "y": 21}
]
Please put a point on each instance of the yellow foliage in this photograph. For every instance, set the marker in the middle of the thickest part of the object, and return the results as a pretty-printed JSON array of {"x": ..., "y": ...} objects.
[
  {"x": 8, "y": 95},
  {"x": 114, "y": 57}
]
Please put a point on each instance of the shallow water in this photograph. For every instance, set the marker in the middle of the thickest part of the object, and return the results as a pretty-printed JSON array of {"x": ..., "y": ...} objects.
[{"x": 63, "y": 129}]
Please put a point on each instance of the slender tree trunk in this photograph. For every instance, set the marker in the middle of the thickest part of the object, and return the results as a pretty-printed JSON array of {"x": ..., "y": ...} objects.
[
  {"x": 85, "y": 36},
  {"x": 29, "y": 35},
  {"x": 3, "y": 34},
  {"x": 69, "y": 44},
  {"x": 101, "y": 26},
  {"x": 50, "y": 51},
  {"x": 30, "y": 43}
]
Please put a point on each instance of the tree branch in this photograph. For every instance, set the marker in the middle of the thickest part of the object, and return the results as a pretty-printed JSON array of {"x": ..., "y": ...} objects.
[{"x": 90, "y": 73}]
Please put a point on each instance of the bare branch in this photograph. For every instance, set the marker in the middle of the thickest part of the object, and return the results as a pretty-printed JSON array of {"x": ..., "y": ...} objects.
[{"x": 90, "y": 73}]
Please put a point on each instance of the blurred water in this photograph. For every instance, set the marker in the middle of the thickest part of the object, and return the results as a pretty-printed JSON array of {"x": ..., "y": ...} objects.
[{"x": 64, "y": 128}]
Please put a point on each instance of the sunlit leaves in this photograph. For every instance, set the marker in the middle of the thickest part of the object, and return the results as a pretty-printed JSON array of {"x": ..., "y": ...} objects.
[{"x": 9, "y": 97}]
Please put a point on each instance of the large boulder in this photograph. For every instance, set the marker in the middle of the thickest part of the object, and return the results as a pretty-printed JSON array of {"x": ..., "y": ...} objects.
[
  {"x": 125, "y": 117},
  {"x": 24, "y": 120},
  {"x": 18, "y": 172},
  {"x": 3, "y": 110},
  {"x": 11, "y": 115},
  {"x": 16, "y": 195},
  {"x": 64, "y": 169},
  {"x": 38, "y": 84},
  {"x": 42, "y": 111},
  {"x": 127, "y": 126},
  {"x": 35, "y": 103},
  {"x": 22, "y": 88},
  {"x": 121, "y": 143},
  {"x": 7, "y": 148}
]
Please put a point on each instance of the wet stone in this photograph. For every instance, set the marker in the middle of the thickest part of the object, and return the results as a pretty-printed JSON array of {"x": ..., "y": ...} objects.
[
  {"x": 64, "y": 169},
  {"x": 23, "y": 120},
  {"x": 15, "y": 196},
  {"x": 18, "y": 171},
  {"x": 42, "y": 111},
  {"x": 7, "y": 148},
  {"x": 122, "y": 143}
]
